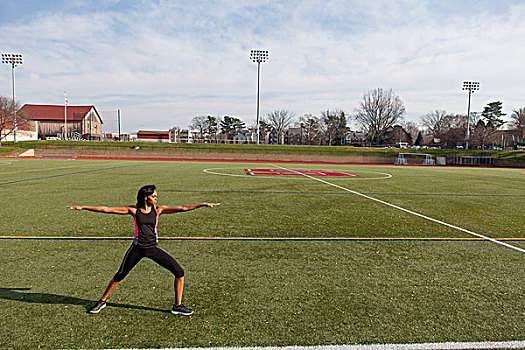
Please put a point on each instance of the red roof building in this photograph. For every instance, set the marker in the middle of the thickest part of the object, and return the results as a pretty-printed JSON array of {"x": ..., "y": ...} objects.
[
  {"x": 153, "y": 136},
  {"x": 82, "y": 121}
]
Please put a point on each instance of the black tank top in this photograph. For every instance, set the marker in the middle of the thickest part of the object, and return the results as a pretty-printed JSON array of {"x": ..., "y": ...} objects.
[{"x": 146, "y": 229}]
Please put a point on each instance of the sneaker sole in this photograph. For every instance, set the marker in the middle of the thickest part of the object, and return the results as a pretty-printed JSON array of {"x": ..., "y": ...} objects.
[
  {"x": 96, "y": 311},
  {"x": 182, "y": 313}
]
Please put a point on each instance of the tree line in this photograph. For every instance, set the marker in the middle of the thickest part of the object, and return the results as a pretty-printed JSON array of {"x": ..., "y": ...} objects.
[
  {"x": 378, "y": 112},
  {"x": 450, "y": 129}
]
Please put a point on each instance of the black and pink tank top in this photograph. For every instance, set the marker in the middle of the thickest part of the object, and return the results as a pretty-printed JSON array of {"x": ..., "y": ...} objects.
[{"x": 146, "y": 229}]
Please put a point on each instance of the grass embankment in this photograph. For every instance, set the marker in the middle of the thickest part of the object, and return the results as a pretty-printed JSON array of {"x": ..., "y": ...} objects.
[
  {"x": 338, "y": 151},
  {"x": 10, "y": 150}
]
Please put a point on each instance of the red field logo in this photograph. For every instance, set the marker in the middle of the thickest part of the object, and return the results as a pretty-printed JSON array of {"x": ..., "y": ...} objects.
[{"x": 283, "y": 172}]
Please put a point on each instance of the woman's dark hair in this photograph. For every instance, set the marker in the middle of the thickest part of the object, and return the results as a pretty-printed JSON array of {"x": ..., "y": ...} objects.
[{"x": 143, "y": 193}]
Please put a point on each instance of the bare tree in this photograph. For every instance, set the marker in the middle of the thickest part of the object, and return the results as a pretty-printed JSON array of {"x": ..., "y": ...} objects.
[
  {"x": 412, "y": 128},
  {"x": 199, "y": 122},
  {"x": 517, "y": 122},
  {"x": 7, "y": 109},
  {"x": 434, "y": 122},
  {"x": 6, "y": 117},
  {"x": 279, "y": 120},
  {"x": 334, "y": 126},
  {"x": 480, "y": 134},
  {"x": 452, "y": 130},
  {"x": 312, "y": 129},
  {"x": 379, "y": 110}
]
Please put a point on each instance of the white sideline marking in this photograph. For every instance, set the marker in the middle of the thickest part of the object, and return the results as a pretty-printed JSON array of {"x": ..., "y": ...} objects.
[
  {"x": 408, "y": 211},
  {"x": 417, "y": 346}
]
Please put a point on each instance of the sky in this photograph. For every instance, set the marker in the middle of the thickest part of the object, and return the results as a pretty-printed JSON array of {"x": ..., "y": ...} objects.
[{"x": 162, "y": 62}]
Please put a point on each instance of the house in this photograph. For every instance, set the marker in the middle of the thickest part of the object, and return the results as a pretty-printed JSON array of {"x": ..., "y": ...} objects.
[
  {"x": 82, "y": 121},
  {"x": 154, "y": 136},
  {"x": 186, "y": 135},
  {"x": 294, "y": 136},
  {"x": 175, "y": 131},
  {"x": 357, "y": 139},
  {"x": 396, "y": 136}
]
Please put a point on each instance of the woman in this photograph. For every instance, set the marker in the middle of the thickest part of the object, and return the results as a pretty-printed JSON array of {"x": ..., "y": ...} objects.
[{"x": 145, "y": 243}]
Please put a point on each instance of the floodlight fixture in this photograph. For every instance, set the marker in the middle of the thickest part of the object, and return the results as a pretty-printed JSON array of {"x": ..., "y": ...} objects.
[
  {"x": 258, "y": 56},
  {"x": 14, "y": 60},
  {"x": 469, "y": 86}
]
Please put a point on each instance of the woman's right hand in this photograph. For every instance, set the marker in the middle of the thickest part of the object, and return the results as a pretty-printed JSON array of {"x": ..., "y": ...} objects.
[{"x": 75, "y": 207}]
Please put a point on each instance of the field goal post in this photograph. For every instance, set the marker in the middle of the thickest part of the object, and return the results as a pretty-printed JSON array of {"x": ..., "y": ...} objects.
[
  {"x": 474, "y": 161},
  {"x": 415, "y": 159}
]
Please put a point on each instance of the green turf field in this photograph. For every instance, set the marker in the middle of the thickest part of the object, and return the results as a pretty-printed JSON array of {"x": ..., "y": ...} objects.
[{"x": 357, "y": 288}]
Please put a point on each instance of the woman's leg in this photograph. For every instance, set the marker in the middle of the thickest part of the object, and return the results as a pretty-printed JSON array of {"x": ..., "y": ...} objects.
[
  {"x": 165, "y": 260},
  {"x": 99, "y": 305},
  {"x": 179, "y": 287},
  {"x": 132, "y": 257},
  {"x": 111, "y": 286}
]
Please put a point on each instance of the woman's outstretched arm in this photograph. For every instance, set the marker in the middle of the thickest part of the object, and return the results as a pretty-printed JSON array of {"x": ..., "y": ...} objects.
[
  {"x": 163, "y": 209},
  {"x": 109, "y": 210}
]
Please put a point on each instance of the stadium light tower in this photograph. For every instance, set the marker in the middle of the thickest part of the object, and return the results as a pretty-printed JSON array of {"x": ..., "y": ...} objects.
[
  {"x": 258, "y": 56},
  {"x": 471, "y": 86},
  {"x": 65, "y": 115},
  {"x": 14, "y": 60}
]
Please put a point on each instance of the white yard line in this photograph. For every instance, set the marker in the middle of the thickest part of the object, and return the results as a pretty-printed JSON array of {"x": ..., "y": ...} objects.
[
  {"x": 407, "y": 211},
  {"x": 417, "y": 346}
]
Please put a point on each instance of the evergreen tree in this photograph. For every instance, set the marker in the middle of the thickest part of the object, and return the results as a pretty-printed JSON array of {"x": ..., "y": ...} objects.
[
  {"x": 493, "y": 115},
  {"x": 231, "y": 126},
  {"x": 419, "y": 139},
  {"x": 491, "y": 120},
  {"x": 212, "y": 126}
]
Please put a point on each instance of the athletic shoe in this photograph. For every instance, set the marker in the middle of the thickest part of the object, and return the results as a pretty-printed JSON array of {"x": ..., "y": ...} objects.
[
  {"x": 181, "y": 310},
  {"x": 98, "y": 306}
]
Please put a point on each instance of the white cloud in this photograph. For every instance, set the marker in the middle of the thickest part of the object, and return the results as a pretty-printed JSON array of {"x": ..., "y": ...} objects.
[{"x": 164, "y": 62}]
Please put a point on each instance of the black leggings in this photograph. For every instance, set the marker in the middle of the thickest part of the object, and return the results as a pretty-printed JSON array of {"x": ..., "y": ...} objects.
[{"x": 135, "y": 254}]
